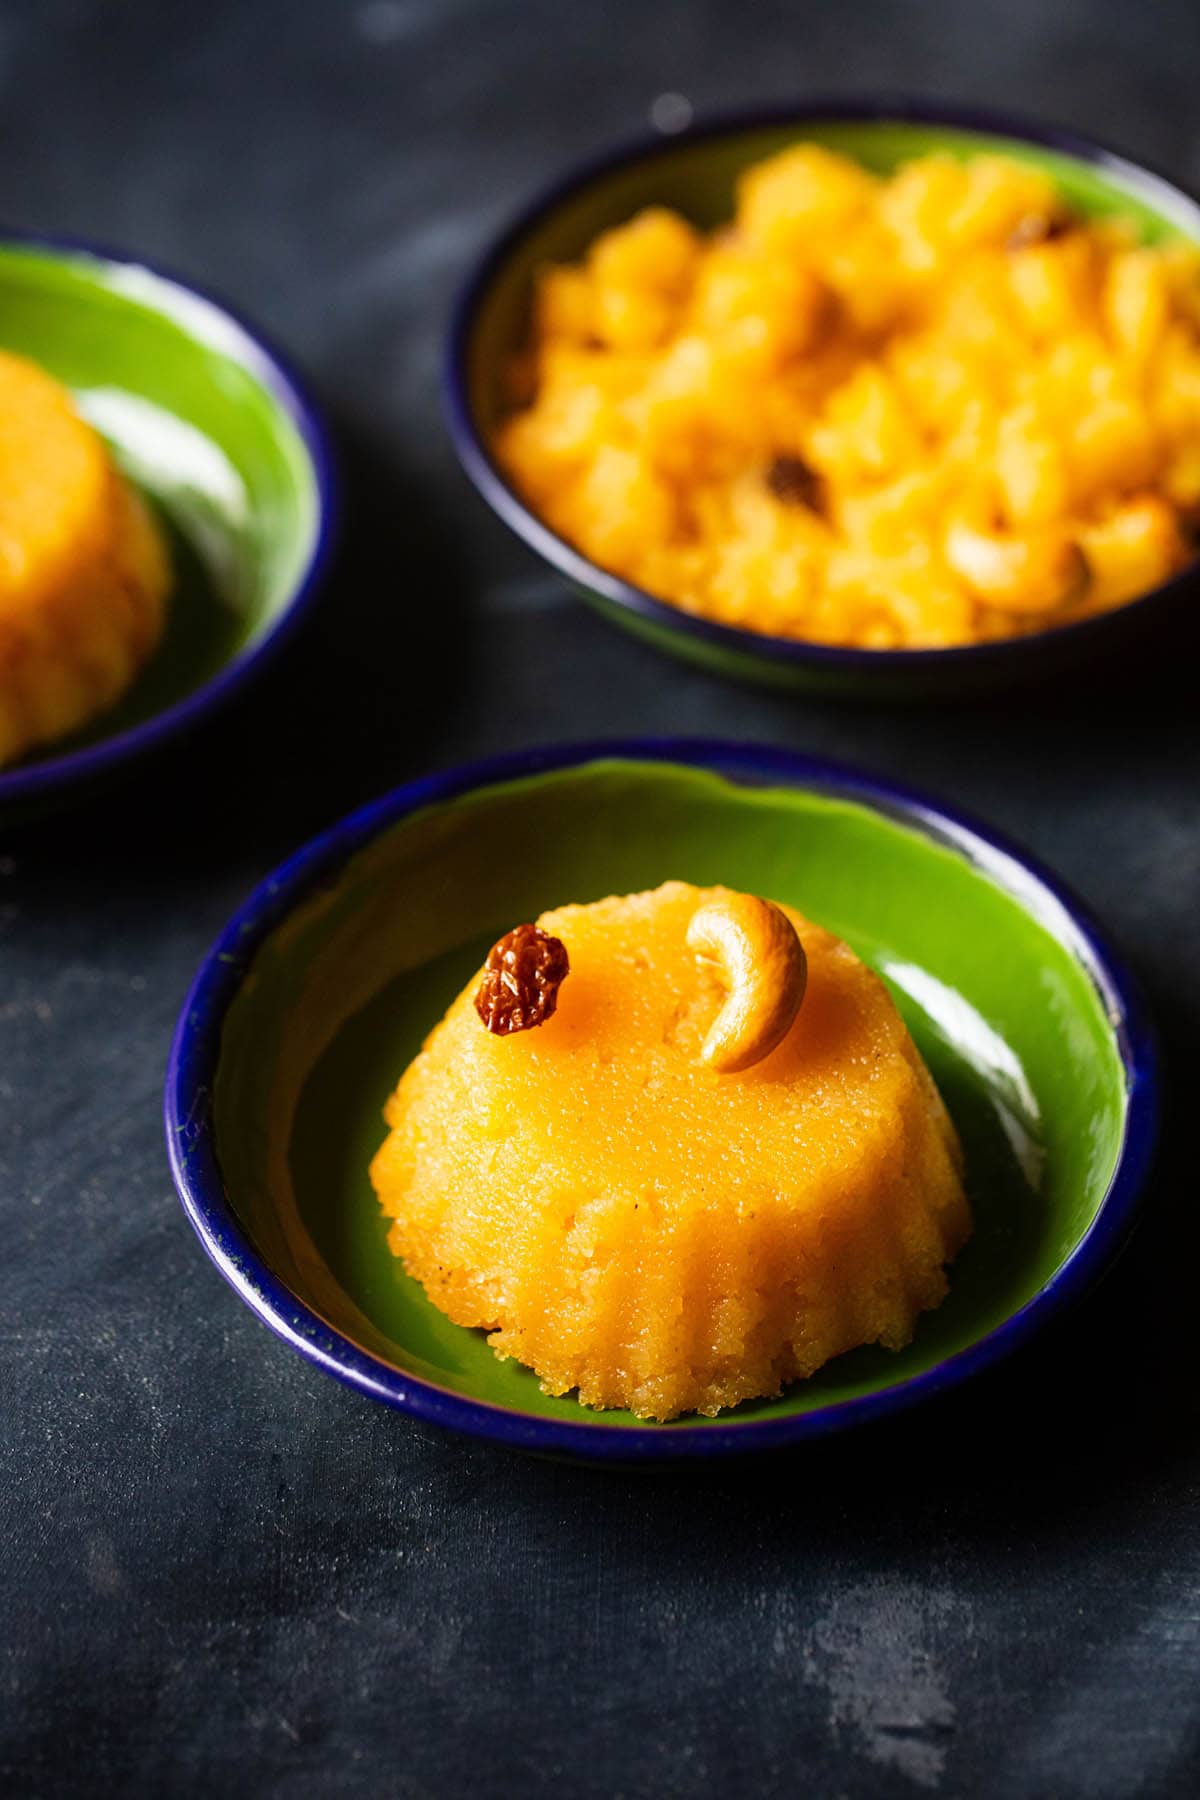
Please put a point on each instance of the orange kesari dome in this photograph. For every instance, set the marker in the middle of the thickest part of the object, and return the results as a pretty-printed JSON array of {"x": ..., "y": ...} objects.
[{"x": 636, "y": 1224}]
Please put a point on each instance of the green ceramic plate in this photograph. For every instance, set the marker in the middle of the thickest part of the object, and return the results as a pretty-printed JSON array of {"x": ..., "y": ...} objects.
[
  {"x": 323, "y": 988},
  {"x": 696, "y": 174},
  {"x": 216, "y": 432}
]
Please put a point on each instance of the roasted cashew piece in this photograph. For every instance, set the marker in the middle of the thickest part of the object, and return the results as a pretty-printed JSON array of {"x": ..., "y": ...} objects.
[
  {"x": 765, "y": 969},
  {"x": 1017, "y": 574}
]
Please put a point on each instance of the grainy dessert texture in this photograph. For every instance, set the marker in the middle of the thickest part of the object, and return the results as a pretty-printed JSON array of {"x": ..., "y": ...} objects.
[
  {"x": 83, "y": 570},
  {"x": 907, "y": 412},
  {"x": 659, "y": 1236}
]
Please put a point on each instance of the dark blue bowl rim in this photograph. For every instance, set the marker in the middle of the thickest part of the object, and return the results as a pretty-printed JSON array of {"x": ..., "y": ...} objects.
[
  {"x": 1156, "y": 189},
  {"x": 195, "y": 1052},
  {"x": 51, "y": 774}
]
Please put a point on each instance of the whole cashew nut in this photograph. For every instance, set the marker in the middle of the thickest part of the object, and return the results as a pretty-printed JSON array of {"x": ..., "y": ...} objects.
[
  {"x": 1018, "y": 574},
  {"x": 766, "y": 971}
]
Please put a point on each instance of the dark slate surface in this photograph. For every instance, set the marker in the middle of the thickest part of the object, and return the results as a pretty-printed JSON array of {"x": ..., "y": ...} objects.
[{"x": 220, "y": 1572}]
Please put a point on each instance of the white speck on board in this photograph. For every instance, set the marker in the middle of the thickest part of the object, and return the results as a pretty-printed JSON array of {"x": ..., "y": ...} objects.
[
  {"x": 671, "y": 113},
  {"x": 874, "y": 1652},
  {"x": 104, "y": 1576},
  {"x": 381, "y": 21}
]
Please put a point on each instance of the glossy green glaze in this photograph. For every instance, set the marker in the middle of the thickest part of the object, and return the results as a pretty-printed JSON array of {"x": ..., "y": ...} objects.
[
  {"x": 340, "y": 996},
  {"x": 697, "y": 176},
  {"x": 186, "y": 400}
]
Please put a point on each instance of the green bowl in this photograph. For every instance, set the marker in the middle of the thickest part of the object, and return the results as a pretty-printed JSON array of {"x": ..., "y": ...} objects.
[
  {"x": 322, "y": 988},
  {"x": 218, "y": 435},
  {"x": 696, "y": 173}
]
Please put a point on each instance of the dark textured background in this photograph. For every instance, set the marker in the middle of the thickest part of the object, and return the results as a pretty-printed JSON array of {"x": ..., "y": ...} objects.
[{"x": 220, "y": 1572}]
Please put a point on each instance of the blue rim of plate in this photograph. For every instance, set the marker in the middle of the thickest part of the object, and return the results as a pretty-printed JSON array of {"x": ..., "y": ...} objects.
[
  {"x": 45, "y": 775},
  {"x": 1155, "y": 189},
  {"x": 195, "y": 1051}
]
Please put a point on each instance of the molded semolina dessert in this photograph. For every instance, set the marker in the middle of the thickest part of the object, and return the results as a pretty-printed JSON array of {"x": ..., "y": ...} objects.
[
  {"x": 715, "y": 1163},
  {"x": 83, "y": 570}
]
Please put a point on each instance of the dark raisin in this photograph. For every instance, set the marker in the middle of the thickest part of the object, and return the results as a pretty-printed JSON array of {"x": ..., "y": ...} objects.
[
  {"x": 1039, "y": 228},
  {"x": 792, "y": 480},
  {"x": 1189, "y": 527},
  {"x": 521, "y": 979}
]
